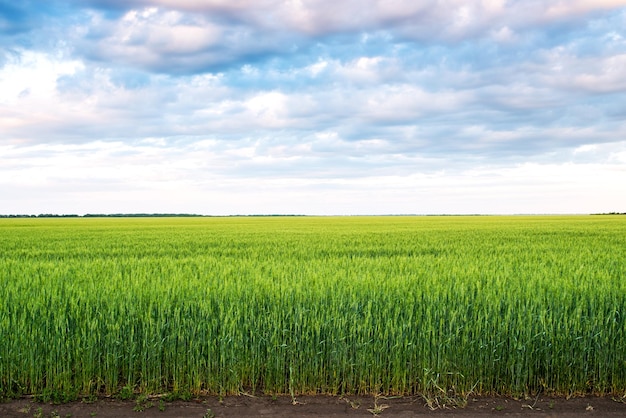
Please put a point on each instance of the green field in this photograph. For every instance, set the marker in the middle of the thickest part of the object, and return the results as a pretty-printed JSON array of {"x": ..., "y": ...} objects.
[{"x": 391, "y": 305}]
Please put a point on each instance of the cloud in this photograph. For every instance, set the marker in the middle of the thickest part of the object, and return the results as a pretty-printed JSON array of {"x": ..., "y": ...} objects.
[
  {"x": 171, "y": 41},
  {"x": 335, "y": 100},
  {"x": 562, "y": 8},
  {"x": 113, "y": 176},
  {"x": 190, "y": 36},
  {"x": 593, "y": 74},
  {"x": 362, "y": 99},
  {"x": 149, "y": 37},
  {"x": 449, "y": 18}
]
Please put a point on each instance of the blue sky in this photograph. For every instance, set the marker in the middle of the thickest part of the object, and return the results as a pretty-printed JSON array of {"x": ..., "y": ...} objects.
[{"x": 313, "y": 107}]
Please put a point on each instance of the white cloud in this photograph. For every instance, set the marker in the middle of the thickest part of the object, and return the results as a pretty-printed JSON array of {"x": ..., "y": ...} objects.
[
  {"x": 503, "y": 35},
  {"x": 115, "y": 177},
  {"x": 602, "y": 74},
  {"x": 367, "y": 70},
  {"x": 145, "y": 36},
  {"x": 565, "y": 8},
  {"x": 268, "y": 109},
  {"x": 33, "y": 75}
]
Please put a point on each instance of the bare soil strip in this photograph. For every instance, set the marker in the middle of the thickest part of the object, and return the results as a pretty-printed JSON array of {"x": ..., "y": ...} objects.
[{"x": 320, "y": 406}]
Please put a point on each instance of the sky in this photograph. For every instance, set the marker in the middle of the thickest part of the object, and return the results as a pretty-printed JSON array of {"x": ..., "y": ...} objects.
[{"x": 316, "y": 107}]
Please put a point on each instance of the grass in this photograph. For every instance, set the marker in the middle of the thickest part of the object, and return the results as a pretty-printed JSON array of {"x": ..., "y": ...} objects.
[{"x": 380, "y": 305}]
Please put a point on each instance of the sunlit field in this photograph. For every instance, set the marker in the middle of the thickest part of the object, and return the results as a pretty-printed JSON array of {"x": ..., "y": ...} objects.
[{"x": 377, "y": 305}]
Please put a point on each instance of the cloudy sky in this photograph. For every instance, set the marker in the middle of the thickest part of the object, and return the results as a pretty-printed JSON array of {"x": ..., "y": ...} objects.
[{"x": 312, "y": 106}]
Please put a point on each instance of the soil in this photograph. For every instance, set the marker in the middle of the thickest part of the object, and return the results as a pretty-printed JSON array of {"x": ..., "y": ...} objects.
[{"x": 319, "y": 406}]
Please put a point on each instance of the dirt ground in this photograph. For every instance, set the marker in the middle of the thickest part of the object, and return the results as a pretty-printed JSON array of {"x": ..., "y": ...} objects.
[{"x": 318, "y": 406}]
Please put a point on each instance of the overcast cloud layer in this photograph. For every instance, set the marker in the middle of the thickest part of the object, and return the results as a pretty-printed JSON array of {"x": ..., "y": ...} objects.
[{"x": 313, "y": 106}]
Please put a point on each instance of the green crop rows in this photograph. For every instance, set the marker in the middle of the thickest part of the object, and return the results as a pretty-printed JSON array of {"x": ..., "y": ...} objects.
[{"x": 392, "y": 305}]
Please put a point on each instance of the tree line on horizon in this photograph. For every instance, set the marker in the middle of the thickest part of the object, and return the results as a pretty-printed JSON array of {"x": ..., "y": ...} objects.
[
  {"x": 102, "y": 215},
  {"x": 128, "y": 215}
]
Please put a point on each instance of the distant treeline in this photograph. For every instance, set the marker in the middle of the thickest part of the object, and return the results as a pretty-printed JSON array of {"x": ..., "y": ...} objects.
[
  {"x": 610, "y": 213},
  {"x": 127, "y": 215},
  {"x": 101, "y": 215}
]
